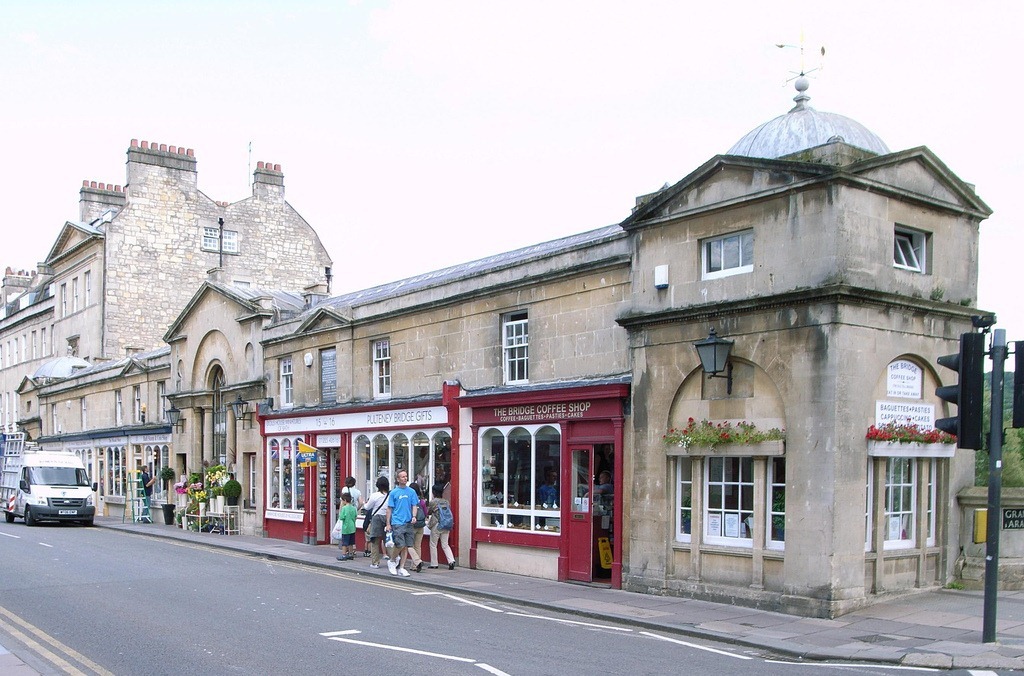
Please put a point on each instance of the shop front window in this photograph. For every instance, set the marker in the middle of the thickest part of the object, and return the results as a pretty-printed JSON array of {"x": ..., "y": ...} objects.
[
  {"x": 900, "y": 497},
  {"x": 286, "y": 481},
  {"x": 684, "y": 468},
  {"x": 729, "y": 500},
  {"x": 430, "y": 456},
  {"x": 116, "y": 471},
  {"x": 519, "y": 470},
  {"x": 777, "y": 502}
]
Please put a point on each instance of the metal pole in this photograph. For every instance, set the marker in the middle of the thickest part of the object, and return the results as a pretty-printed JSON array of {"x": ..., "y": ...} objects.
[
  {"x": 220, "y": 244},
  {"x": 995, "y": 487}
]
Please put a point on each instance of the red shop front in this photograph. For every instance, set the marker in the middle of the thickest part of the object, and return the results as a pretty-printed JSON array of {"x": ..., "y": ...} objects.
[
  {"x": 363, "y": 442},
  {"x": 547, "y": 473}
]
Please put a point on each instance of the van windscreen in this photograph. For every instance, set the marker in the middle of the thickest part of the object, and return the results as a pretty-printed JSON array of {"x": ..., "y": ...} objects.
[{"x": 58, "y": 476}]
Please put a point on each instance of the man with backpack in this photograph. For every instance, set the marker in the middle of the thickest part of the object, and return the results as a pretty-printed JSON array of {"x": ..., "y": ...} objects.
[{"x": 441, "y": 522}]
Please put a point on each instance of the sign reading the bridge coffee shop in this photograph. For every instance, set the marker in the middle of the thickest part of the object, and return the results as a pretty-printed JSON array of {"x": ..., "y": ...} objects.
[
  {"x": 1013, "y": 519},
  {"x": 546, "y": 411}
]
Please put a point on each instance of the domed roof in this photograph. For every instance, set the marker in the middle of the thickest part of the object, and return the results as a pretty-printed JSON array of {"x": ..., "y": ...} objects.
[
  {"x": 62, "y": 367},
  {"x": 804, "y": 127}
]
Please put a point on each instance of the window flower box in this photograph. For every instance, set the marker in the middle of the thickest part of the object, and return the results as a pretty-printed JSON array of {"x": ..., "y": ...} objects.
[
  {"x": 908, "y": 440},
  {"x": 761, "y": 448},
  {"x": 896, "y": 449}
]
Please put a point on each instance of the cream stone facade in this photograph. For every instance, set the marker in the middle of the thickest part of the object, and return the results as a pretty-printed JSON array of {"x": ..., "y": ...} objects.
[
  {"x": 115, "y": 279},
  {"x": 534, "y": 389}
]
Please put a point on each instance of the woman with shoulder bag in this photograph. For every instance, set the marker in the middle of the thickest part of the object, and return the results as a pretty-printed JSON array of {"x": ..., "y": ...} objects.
[
  {"x": 437, "y": 533},
  {"x": 375, "y": 512}
]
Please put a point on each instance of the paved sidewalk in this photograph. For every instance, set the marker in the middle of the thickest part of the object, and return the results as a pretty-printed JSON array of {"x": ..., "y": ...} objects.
[{"x": 939, "y": 629}]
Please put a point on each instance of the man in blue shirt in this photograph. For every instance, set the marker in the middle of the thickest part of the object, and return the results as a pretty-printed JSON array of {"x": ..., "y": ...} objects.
[{"x": 403, "y": 505}]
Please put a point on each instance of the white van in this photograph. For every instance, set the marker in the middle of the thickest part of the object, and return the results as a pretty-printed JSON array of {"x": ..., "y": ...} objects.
[{"x": 45, "y": 486}]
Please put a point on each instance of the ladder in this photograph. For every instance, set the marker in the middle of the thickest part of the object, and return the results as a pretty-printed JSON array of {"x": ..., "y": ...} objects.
[{"x": 136, "y": 504}]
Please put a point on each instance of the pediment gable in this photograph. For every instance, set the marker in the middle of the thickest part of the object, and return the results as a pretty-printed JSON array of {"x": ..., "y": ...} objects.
[
  {"x": 918, "y": 172},
  {"x": 212, "y": 299},
  {"x": 723, "y": 181},
  {"x": 323, "y": 319},
  {"x": 72, "y": 237}
]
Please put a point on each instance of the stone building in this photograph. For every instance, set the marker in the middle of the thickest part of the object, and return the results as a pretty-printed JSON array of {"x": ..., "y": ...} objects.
[
  {"x": 115, "y": 279},
  {"x": 536, "y": 388}
]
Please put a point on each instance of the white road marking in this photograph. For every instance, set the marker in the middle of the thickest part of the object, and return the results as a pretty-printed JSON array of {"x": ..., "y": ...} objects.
[
  {"x": 46, "y": 545},
  {"x": 582, "y": 624},
  {"x": 493, "y": 670},
  {"x": 424, "y": 653},
  {"x": 16, "y": 537},
  {"x": 982, "y": 673},
  {"x": 697, "y": 647},
  {"x": 472, "y": 603},
  {"x": 329, "y": 634}
]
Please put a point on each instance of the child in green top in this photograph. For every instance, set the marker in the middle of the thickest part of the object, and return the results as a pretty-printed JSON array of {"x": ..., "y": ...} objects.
[{"x": 347, "y": 517}]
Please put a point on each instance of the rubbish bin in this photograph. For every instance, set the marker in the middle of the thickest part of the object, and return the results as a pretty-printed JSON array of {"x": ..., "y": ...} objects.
[{"x": 169, "y": 515}]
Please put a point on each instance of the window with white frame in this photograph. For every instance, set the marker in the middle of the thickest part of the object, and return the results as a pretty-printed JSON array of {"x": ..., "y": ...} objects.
[
  {"x": 929, "y": 521},
  {"x": 910, "y": 250},
  {"x": 117, "y": 470},
  {"x": 382, "y": 368},
  {"x": 53, "y": 420},
  {"x": 44, "y": 348},
  {"x": 87, "y": 283},
  {"x": 684, "y": 498},
  {"x": 285, "y": 366},
  {"x": 118, "y": 409},
  {"x": 286, "y": 481},
  {"x": 727, "y": 255},
  {"x": 212, "y": 240},
  {"x": 74, "y": 294},
  {"x": 137, "y": 412},
  {"x": 776, "y": 502},
  {"x": 729, "y": 501},
  {"x": 35, "y": 346},
  {"x": 519, "y": 470},
  {"x": 64, "y": 300},
  {"x": 85, "y": 415},
  {"x": 900, "y": 502},
  {"x": 515, "y": 332}
]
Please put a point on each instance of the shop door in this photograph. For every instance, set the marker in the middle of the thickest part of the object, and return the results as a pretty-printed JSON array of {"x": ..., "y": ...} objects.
[{"x": 581, "y": 528}]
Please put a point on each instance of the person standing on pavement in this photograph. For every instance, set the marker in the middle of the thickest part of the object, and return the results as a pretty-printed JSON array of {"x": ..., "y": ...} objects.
[
  {"x": 437, "y": 534},
  {"x": 357, "y": 496},
  {"x": 147, "y": 485},
  {"x": 347, "y": 517},
  {"x": 374, "y": 509},
  {"x": 403, "y": 506},
  {"x": 418, "y": 524}
]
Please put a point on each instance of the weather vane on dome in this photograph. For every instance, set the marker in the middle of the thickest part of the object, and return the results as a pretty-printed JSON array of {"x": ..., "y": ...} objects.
[{"x": 803, "y": 69}]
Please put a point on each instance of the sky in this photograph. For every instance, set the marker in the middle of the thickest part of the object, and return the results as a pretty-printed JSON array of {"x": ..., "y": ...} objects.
[{"x": 418, "y": 135}]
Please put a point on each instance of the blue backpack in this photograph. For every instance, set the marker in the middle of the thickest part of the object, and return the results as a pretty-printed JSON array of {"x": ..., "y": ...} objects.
[{"x": 445, "y": 519}]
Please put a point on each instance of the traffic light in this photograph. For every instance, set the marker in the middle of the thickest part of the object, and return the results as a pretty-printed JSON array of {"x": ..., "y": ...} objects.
[
  {"x": 967, "y": 394},
  {"x": 1018, "y": 384}
]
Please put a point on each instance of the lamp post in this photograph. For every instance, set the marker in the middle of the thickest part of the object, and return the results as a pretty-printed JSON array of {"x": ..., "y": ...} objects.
[{"x": 714, "y": 357}]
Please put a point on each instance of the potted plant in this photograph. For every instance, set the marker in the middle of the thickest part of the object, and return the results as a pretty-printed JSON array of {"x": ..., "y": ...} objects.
[
  {"x": 232, "y": 489},
  {"x": 166, "y": 475}
]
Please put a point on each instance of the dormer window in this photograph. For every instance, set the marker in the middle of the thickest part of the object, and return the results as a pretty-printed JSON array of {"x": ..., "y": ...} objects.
[
  {"x": 727, "y": 255},
  {"x": 909, "y": 250}
]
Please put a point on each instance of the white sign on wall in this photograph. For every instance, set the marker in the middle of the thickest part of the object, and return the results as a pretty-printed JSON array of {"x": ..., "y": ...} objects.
[
  {"x": 902, "y": 412},
  {"x": 431, "y": 415},
  {"x": 905, "y": 380}
]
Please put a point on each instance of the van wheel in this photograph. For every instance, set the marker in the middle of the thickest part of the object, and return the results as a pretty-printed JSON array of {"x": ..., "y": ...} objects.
[
  {"x": 87, "y": 522},
  {"x": 9, "y": 516},
  {"x": 29, "y": 519}
]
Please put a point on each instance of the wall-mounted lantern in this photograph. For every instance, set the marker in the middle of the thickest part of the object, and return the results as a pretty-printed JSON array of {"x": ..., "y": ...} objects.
[
  {"x": 241, "y": 410},
  {"x": 174, "y": 418},
  {"x": 714, "y": 357}
]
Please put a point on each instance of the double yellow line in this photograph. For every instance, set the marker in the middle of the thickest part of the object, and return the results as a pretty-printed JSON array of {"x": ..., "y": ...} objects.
[{"x": 28, "y": 634}]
